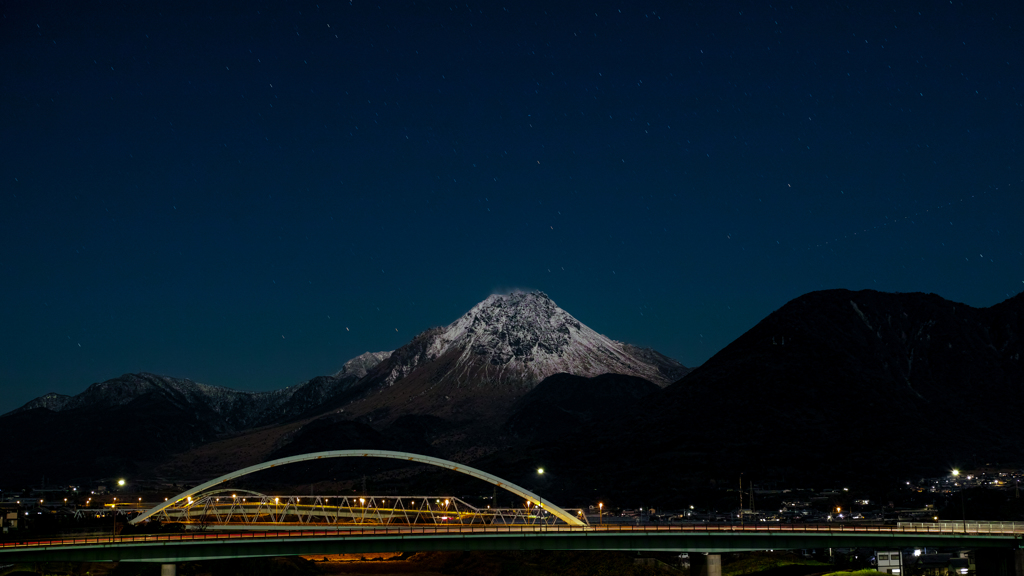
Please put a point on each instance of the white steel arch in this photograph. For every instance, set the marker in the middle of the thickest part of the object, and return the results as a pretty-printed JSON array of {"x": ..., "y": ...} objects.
[{"x": 479, "y": 474}]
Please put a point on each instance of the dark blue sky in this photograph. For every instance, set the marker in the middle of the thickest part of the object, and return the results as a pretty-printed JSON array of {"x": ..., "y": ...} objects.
[{"x": 248, "y": 194}]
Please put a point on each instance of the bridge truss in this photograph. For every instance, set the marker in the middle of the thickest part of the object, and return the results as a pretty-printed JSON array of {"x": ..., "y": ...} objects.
[
  {"x": 245, "y": 509},
  {"x": 186, "y": 499}
]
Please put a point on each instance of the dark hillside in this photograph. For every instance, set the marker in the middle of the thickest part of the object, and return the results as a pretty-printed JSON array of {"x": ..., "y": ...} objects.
[{"x": 835, "y": 386}]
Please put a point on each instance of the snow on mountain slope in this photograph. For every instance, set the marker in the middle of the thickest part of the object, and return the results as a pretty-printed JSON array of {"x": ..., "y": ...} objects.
[
  {"x": 527, "y": 337},
  {"x": 499, "y": 350},
  {"x": 360, "y": 365},
  {"x": 223, "y": 408}
]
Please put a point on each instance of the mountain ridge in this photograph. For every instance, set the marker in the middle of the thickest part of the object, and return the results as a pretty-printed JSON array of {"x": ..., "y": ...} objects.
[
  {"x": 834, "y": 386},
  {"x": 468, "y": 373},
  {"x": 493, "y": 354}
]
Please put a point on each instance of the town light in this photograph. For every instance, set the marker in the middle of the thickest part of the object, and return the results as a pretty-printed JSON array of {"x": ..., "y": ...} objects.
[
  {"x": 540, "y": 471},
  {"x": 120, "y": 482}
]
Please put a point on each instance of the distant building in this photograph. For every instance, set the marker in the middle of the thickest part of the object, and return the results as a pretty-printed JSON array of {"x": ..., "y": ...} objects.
[
  {"x": 889, "y": 561},
  {"x": 9, "y": 517}
]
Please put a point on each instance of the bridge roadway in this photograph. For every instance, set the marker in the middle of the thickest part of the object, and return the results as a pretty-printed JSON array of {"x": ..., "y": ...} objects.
[{"x": 709, "y": 538}]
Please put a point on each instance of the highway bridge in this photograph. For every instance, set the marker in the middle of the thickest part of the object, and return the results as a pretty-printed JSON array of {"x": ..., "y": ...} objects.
[
  {"x": 707, "y": 538},
  {"x": 348, "y": 528}
]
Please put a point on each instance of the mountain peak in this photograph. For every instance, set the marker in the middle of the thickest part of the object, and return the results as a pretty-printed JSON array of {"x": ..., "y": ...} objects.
[
  {"x": 360, "y": 365},
  {"x": 524, "y": 326},
  {"x": 521, "y": 307},
  {"x": 493, "y": 354},
  {"x": 508, "y": 343}
]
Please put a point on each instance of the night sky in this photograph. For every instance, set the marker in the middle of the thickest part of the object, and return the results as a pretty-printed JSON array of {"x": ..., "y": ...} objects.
[{"x": 248, "y": 194}]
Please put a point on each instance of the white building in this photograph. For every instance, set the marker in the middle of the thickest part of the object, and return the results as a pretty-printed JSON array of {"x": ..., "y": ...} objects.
[{"x": 889, "y": 561}]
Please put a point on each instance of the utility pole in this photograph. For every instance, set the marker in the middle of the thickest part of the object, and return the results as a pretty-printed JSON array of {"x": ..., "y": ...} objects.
[{"x": 741, "y": 498}]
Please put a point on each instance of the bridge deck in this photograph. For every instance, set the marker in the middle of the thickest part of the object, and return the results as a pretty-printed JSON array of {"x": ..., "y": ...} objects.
[{"x": 691, "y": 538}]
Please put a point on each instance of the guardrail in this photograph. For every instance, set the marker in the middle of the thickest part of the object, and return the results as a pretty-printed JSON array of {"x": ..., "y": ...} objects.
[
  {"x": 970, "y": 526},
  {"x": 951, "y": 529}
]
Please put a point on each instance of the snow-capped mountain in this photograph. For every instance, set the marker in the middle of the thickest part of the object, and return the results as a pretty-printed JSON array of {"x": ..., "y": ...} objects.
[
  {"x": 223, "y": 409},
  {"x": 526, "y": 338},
  {"x": 123, "y": 423},
  {"x": 360, "y": 365},
  {"x": 499, "y": 350},
  {"x": 464, "y": 376}
]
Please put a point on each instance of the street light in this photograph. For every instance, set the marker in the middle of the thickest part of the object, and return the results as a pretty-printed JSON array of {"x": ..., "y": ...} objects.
[
  {"x": 113, "y": 509},
  {"x": 600, "y": 513},
  {"x": 540, "y": 503},
  {"x": 963, "y": 508}
]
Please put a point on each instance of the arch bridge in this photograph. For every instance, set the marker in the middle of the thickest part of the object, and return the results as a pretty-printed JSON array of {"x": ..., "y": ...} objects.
[{"x": 210, "y": 506}]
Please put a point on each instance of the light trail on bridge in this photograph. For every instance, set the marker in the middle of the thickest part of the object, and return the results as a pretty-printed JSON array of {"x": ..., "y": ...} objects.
[
  {"x": 694, "y": 538},
  {"x": 975, "y": 529}
]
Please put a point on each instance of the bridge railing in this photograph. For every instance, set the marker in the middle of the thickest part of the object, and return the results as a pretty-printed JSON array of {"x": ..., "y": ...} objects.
[
  {"x": 970, "y": 526},
  {"x": 950, "y": 529}
]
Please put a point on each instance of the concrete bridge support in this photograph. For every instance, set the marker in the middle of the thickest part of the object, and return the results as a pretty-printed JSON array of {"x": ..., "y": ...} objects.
[
  {"x": 168, "y": 569},
  {"x": 705, "y": 564}
]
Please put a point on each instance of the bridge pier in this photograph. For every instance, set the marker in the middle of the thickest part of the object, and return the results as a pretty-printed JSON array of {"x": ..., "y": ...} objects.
[
  {"x": 168, "y": 569},
  {"x": 705, "y": 564}
]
